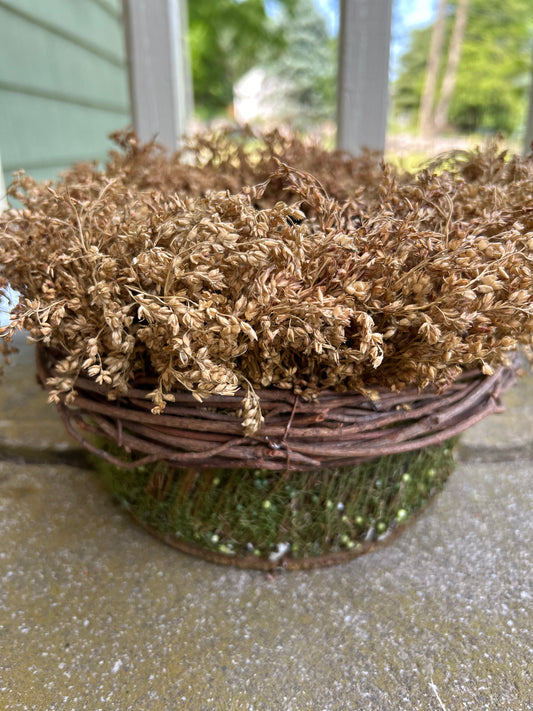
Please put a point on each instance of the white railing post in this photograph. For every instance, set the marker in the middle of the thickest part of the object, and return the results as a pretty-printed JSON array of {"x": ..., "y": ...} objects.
[
  {"x": 5, "y": 304},
  {"x": 363, "y": 78},
  {"x": 159, "y": 69}
]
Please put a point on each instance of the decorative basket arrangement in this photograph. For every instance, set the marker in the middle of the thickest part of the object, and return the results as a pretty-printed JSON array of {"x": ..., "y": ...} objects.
[{"x": 271, "y": 366}]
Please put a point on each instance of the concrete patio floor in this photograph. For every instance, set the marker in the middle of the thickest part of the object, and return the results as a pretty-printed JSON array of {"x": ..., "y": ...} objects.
[{"x": 96, "y": 614}]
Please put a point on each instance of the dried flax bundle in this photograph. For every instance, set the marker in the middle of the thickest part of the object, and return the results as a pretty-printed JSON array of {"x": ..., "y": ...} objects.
[{"x": 271, "y": 264}]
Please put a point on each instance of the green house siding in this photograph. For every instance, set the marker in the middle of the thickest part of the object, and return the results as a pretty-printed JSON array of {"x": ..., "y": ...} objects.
[{"x": 63, "y": 83}]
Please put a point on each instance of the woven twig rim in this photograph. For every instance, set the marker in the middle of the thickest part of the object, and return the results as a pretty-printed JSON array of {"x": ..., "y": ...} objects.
[{"x": 335, "y": 430}]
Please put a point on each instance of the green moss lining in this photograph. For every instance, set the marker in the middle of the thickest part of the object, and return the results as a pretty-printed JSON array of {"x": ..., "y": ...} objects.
[{"x": 268, "y": 514}]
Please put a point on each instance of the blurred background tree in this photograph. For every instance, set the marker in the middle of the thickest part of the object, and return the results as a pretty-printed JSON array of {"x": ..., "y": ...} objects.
[
  {"x": 489, "y": 92},
  {"x": 307, "y": 68},
  {"x": 226, "y": 39}
]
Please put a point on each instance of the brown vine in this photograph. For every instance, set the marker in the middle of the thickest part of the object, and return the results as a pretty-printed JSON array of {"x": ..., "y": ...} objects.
[{"x": 336, "y": 429}]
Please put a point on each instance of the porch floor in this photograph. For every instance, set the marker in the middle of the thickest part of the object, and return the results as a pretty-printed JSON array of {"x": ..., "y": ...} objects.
[{"x": 96, "y": 614}]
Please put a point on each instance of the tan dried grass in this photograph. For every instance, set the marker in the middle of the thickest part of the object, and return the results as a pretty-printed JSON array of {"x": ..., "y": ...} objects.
[{"x": 226, "y": 267}]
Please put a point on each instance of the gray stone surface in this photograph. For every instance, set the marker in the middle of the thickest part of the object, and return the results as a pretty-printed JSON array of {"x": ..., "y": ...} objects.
[
  {"x": 96, "y": 614},
  {"x": 28, "y": 425},
  {"x": 508, "y": 432}
]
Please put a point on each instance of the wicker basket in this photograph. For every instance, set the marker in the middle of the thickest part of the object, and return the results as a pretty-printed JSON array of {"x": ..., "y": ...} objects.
[{"x": 321, "y": 482}]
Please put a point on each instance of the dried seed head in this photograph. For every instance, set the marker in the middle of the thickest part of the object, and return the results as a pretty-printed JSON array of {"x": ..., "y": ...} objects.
[{"x": 273, "y": 263}]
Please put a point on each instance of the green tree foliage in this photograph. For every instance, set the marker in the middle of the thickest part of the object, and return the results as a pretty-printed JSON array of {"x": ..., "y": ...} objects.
[
  {"x": 409, "y": 85},
  {"x": 226, "y": 38},
  {"x": 490, "y": 92},
  {"x": 307, "y": 67}
]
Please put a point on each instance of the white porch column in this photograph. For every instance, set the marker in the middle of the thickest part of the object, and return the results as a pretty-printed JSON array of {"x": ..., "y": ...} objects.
[
  {"x": 363, "y": 78},
  {"x": 3, "y": 197},
  {"x": 528, "y": 138},
  {"x": 159, "y": 68}
]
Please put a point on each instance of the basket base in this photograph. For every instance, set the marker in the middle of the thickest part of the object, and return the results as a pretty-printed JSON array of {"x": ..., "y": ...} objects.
[
  {"x": 251, "y": 562},
  {"x": 253, "y": 518}
]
